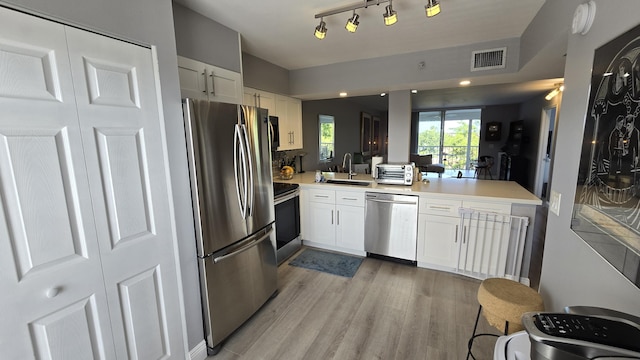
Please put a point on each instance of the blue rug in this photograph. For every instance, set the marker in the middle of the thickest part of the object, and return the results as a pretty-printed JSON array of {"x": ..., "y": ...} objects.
[{"x": 336, "y": 264}]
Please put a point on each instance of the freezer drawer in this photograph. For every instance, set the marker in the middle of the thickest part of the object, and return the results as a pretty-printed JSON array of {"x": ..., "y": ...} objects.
[
  {"x": 237, "y": 283},
  {"x": 391, "y": 225}
]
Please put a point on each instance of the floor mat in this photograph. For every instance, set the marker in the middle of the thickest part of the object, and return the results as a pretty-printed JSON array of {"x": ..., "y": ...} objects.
[{"x": 336, "y": 264}]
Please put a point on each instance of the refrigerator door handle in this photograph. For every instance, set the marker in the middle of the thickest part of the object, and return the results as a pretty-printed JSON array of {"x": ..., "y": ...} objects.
[
  {"x": 239, "y": 157},
  {"x": 244, "y": 248},
  {"x": 271, "y": 130},
  {"x": 249, "y": 164}
]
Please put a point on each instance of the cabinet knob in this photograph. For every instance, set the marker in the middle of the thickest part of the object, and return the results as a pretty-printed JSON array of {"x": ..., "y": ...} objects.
[{"x": 53, "y": 292}]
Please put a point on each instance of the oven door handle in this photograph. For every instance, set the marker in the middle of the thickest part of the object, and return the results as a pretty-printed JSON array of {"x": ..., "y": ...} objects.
[{"x": 286, "y": 197}]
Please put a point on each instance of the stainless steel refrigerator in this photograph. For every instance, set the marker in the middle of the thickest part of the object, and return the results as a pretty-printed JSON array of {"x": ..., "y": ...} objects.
[{"x": 231, "y": 184}]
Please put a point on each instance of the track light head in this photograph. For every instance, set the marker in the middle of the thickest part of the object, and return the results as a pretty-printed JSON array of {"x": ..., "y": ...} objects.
[
  {"x": 390, "y": 16},
  {"x": 321, "y": 30},
  {"x": 557, "y": 90},
  {"x": 432, "y": 8},
  {"x": 352, "y": 23}
]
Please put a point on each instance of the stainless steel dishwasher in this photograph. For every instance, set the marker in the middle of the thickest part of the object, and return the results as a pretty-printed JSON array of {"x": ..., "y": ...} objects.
[{"x": 391, "y": 225}]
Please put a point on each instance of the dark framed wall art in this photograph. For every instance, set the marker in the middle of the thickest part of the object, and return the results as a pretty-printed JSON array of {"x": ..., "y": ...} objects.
[
  {"x": 493, "y": 131},
  {"x": 606, "y": 213}
]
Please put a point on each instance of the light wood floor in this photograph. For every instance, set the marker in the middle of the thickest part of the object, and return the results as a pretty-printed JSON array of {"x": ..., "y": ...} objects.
[{"x": 386, "y": 311}]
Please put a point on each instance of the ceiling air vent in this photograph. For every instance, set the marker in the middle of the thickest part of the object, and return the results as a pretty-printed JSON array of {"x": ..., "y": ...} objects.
[{"x": 488, "y": 59}]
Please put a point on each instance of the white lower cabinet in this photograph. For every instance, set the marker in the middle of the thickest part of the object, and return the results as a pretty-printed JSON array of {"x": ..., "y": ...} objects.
[
  {"x": 475, "y": 244},
  {"x": 438, "y": 233},
  {"x": 334, "y": 220},
  {"x": 321, "y": 223},
  {"x": 438, "y": 240},
  {"x": 350, "y": 227}
]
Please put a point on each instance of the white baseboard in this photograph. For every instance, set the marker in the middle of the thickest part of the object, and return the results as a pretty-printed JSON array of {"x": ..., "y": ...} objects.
[{"x": 199, "y": 352}]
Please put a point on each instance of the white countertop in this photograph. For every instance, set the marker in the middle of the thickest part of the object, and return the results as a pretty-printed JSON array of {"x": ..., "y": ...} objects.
[{"x": 450, "y": 188}]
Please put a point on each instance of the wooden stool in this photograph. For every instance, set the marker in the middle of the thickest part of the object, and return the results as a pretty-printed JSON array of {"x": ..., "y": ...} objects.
[{"x": 503, "y": 301}]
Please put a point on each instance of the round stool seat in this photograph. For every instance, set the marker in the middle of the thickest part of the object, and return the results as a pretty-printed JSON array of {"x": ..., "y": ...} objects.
[{"x": 506, "y": 300}]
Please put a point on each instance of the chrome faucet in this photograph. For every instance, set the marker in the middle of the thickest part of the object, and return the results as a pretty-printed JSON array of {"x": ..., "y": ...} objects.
[{"x": 344, "y": 162}]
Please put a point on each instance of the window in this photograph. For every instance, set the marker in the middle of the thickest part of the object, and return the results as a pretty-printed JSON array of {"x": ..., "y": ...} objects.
[
  {"x": 451, "y": 136},
  {"x": 326, "y": 137}
]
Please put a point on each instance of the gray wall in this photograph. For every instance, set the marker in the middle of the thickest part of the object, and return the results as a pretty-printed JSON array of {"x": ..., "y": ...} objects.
[
  {"x": 385, "y": 72},
  {"x": 202, "y": 39},
  {"x": 347, "y": 127},
  {"x": 149, "y": 22},
  {"x": 263, "y": 75},
  {"x": 503, "y": 114},
  {"x": 572, "y": 273}
]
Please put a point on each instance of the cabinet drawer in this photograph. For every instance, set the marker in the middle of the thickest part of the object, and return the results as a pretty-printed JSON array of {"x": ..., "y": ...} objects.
[
  {"x": 322, "y": 196},
  {"x": 441, "y": 207},
  {"x": 350, "y": 198},
  {"x": 487, "y": 207}
]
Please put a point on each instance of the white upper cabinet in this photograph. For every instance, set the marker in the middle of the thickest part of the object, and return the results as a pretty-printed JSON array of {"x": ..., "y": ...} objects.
[
  {"x": 287, "y": 109},
  {"x": 203, "y": 81},
  {"x": 289, "y": 112},
  {"x": 261, "y": 99}
]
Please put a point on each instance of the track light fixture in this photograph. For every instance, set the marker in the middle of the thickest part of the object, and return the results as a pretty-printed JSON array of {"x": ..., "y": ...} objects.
[
  {"x": 390, "y": 16},
  {"x": 352, "y": 23},
  {"x": 432, "y": 8},
  {"x": 558, "y": 88},
  {"x": 321, "y": 30}
]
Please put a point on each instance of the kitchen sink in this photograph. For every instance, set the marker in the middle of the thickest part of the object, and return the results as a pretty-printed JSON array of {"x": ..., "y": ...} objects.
[{"x": 349, "y": 182}]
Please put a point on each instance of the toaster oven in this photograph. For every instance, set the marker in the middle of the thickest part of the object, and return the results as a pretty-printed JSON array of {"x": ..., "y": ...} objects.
[{"x": 397, "y": 174}]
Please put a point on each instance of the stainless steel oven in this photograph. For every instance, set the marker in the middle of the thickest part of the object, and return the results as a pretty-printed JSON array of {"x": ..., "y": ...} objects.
[{"x": 287, "y": 206}]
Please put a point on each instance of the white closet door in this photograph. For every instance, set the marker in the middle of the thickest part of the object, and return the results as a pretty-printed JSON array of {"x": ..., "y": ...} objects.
[
  {"x": 52, "y": 296},
  {"x": 126, "y": 161}
]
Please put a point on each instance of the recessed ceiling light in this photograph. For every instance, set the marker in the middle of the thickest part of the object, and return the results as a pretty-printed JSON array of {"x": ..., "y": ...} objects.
[
  {"x": 383, "y": 94},
  {"x": 414, "y": 91},
  {"x": 465, "y": 82},
  {"x": 343, "y": 94}
]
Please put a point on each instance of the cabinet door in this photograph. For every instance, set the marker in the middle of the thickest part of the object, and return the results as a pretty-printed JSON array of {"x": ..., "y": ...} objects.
[
  {"x": 289, "y": 111},
  {"x": 192, "y": 76},
  {"x": 53, "y": 300},
  {"x": 294, "y": 118},
  {"x": 438, "y": 240},
  {"x": 125, "y": 155},
  {"x": 267, "y": 101},
  {"x": 321, "y": 223},
  {"x": 250, "y": 97},
  {"x": 350, "y": 227},
  {"x": 224, "y": 85}
]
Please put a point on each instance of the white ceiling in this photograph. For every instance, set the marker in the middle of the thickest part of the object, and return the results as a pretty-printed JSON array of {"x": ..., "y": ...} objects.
[{"x": 281, "y": 32}]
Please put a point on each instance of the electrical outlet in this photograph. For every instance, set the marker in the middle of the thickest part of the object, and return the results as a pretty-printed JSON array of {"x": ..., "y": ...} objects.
[{"x": 554, "y": 202}]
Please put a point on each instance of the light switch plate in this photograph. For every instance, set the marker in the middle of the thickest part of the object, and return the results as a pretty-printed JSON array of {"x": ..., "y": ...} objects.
[{"x": 554, "y": 202}]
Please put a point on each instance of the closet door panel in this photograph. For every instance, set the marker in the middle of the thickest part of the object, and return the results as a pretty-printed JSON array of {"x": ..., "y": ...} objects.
[
  {"x": 38, "y": 186},
  {"x": 124, "y": 174},
  {"x": 123, "y": 137},
  {"x": 49, "y": 255}
]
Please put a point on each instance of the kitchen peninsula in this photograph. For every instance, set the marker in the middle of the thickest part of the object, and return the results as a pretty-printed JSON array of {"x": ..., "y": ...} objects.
[{"x": 332, "y": 217}]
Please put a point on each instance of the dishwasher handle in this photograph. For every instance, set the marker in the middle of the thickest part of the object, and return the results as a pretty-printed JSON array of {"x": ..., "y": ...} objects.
[{"x": 394, "y": 202}]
